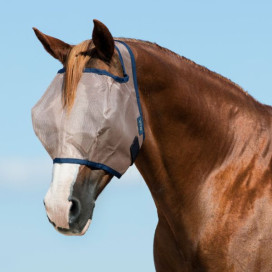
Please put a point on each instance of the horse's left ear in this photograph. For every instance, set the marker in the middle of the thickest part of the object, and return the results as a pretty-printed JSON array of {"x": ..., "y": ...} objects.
[
  {"x": 103, "y": 41},
  {"x": 55, "y": 47}
]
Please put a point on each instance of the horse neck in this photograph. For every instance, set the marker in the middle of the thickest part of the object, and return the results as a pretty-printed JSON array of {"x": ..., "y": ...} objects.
[{"x": 194, "y": 121}]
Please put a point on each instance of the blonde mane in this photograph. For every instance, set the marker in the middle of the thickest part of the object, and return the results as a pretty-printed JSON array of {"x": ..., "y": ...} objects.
[{"x": 75, "y": 64}]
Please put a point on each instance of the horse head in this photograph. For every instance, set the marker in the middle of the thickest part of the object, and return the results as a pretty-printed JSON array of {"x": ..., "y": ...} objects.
[{"x": 73, "y": 120}]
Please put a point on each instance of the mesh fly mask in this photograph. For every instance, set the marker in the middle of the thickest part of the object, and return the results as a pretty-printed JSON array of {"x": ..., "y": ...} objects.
[{"x": 104, "y": 128}]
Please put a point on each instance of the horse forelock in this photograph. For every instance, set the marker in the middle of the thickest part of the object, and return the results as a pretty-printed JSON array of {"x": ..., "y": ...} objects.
[{"x": 75, "y": 64}]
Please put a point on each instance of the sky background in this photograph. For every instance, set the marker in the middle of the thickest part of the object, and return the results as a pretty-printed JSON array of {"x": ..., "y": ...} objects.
[{"x": 233, "y": 39}]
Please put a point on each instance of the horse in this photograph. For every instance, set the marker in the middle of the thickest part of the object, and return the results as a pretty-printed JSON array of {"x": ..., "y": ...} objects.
[{"x": 206, "y": 158}]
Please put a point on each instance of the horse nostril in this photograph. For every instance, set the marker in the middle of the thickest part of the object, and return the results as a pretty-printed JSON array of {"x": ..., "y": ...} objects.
[{"x": 74, "y": 210}]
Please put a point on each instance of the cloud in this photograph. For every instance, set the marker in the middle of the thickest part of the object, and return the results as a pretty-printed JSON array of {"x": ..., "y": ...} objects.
[{"x": 25, "y": 173}]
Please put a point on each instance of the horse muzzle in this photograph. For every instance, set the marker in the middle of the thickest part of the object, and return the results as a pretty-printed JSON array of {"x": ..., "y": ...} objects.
[{"x": 70, "y": 200}]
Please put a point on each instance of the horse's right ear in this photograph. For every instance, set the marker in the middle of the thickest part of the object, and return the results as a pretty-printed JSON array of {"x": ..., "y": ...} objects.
[
  {"x": 103, "y": 41},
  {"x": 55, "y": 47}
]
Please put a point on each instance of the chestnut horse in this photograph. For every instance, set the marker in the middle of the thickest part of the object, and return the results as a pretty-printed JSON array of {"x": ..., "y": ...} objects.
[{"x": 206, "y": 159}]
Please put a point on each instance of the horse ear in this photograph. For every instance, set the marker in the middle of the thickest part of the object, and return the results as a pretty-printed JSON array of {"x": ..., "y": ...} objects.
[
  {"x": 55, "y": 47},
  {"x": 103, "y": 41}
]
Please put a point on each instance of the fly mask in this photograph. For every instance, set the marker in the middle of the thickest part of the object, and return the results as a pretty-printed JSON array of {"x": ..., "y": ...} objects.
[{"x": 104, "y": 128}]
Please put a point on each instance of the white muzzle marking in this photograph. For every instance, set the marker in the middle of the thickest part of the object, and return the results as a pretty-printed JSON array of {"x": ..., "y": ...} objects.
[{"x": 56, "y": 201}]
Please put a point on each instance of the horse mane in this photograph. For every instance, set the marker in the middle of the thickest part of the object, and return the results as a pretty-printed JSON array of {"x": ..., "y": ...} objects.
[
  {"x": 190, "y": 62},
  {"x": 75, "y": 64}
]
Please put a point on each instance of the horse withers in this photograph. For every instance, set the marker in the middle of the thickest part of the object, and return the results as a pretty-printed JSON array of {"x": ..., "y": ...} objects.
[{"x": 201, "y": 143}]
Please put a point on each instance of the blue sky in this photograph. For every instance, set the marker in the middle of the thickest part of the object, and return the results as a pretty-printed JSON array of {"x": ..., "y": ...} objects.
[{"x": 233, "y": 39}]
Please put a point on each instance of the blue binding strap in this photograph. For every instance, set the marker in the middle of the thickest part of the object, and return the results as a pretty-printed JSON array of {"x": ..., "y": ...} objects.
[
  {"x": 133, "y": 64},
  {"x": 123, "y": 79},
  {"x": 101, "y": 72},
  {"x": 91, "y": 164}
]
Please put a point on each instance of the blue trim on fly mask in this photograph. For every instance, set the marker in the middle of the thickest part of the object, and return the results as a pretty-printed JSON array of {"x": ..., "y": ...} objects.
[
  {"x": 133, "y": 63},
  {"x": 91, "y": 164},
  {"x": 123, "y": 79},
  {"x": 101, "y": 72}
]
